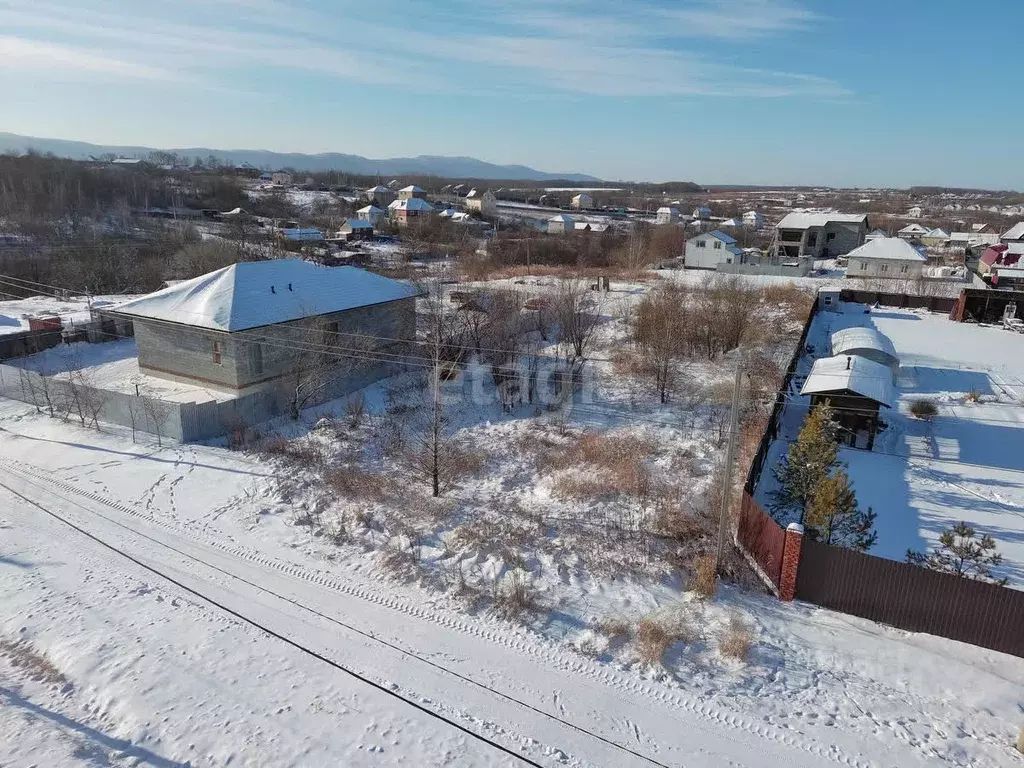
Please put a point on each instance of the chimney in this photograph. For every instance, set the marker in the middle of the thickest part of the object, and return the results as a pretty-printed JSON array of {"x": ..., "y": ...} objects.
[{"x": 849, "y": 362}]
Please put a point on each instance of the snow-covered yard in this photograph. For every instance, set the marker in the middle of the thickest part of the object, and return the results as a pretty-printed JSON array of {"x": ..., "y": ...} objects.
[
  {"x": 966, "y": 464},
  {"x": 14, "y": 313},
  {"x": 114, "y": 366}
]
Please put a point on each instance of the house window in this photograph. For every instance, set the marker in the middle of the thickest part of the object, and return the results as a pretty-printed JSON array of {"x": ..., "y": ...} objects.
[
  {"x": 904, "y": 268},
  {"x": 830, "y": 236},
  {"x": 718, "y": 245},
  {"x": 702, "y": 244},
  {"x": 257, "y": 358},
  {"x": 216, "y": 353},
  {"x": 812, "y": 239},
  {"x": 885, "y": 268},
  {"x": 863, "y": 266}
]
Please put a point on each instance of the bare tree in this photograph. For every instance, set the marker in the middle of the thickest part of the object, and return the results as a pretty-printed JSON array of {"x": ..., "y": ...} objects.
[
  {"x": 157, "y": 413},
  {"x": 578, "y": 315},
  {"x": 322, "y": 357},
  {"x": 659, "y": 328},
  {"x": 135, "y": 413}
]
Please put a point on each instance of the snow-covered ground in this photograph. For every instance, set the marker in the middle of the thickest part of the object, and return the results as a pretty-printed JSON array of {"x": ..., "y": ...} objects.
[
  {"x": 156, "y": 670},
  {"x": 14, "y": 313},
  {"x": 114, "y": 366},
  {"x": 966, "y": 464}
]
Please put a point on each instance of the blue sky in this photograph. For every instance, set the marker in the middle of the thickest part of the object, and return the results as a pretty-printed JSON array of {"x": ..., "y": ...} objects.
[{"x": 839, "y": 92}]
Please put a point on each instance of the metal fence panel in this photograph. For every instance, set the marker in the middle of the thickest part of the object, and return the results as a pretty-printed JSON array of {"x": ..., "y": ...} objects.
[{"x": 912, "y": 598}]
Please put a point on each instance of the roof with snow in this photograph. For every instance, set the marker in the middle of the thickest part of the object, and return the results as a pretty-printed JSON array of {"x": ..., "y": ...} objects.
[
  {"x": 377, "y": 190},
  {"x": 252, "y": 294},
  {"x": 888, "y": 248},
  {"x": 1016, "y": 232},
  {"x": 562, "y": 218},
  {"x": 850, "y": 373},
  {"x": 938, "y": 232},
  {"x": 808, "y": 220},
  {"x": 413, "y": 188},
  {"x": 303, "y": 234},
  {"x": 412, "y": 204},
  {"x": 732, "y": 223},
  {"x": 914, "y": 229},
  {"x": 370, "y": 209},
  {"x": 852, "y": 341},
  {"x": 669, "y": 210}
]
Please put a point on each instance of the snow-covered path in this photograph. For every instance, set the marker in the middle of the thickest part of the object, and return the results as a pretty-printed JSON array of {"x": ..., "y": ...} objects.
[{"x": 517, "y": 692}]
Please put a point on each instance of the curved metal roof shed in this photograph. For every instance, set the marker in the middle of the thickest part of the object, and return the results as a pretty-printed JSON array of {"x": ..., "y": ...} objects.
[{"x": 867, "y": 343}]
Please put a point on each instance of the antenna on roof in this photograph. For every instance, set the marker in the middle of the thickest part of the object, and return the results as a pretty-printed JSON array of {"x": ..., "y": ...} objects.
[
  {"x": 272, "y": 289},
  {"x": 289, "y": 286}
]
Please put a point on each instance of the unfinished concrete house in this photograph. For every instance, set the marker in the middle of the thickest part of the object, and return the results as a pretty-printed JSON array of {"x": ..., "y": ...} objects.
[
  {"x": 255, "y": 326},
  {"x": 819, "y": 235}
]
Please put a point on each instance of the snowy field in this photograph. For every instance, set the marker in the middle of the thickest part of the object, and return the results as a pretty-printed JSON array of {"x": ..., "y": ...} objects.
[
  {"x": 318, "y": 535},
  {"x": 14, "y": 313},
  {"x": 965, "y": 464}
]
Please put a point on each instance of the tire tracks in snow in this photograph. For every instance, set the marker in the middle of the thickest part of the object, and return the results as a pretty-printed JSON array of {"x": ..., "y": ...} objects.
[{"x": 606, "y": 676}]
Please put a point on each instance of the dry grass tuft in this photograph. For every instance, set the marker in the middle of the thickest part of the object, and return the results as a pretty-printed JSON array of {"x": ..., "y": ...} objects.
[
  {"x": 705, "y": 578},
  {"x": 400, "y": 563},
  {"x": 515, "y": 595},
  {"x": 354, "y": 482},
  {"x": 736, "y": 639},
  {"x": 654, "y": 636},
  {"x": 613, "y": 627},
  {"x": 974, "y": 396},
  {"x": 924, "y": 409},
  {"x": 22, "y": 655}
]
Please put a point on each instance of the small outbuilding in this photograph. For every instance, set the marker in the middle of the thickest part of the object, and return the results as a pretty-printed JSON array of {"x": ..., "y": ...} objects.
[
  {"x": 561, "y": 224},
  {"x": 857, "y": 389}
]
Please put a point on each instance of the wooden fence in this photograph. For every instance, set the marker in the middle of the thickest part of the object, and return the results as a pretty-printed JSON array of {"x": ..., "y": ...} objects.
[
  {"x": 907, "y": 301},
  {"x": 763, "y": 539},
  {"x": 912, "y": 598}
]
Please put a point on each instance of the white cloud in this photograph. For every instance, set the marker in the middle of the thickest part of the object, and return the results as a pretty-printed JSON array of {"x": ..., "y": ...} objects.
[
  {"x": 23, "y": 54},
  {"x": 597, "y": 47}
]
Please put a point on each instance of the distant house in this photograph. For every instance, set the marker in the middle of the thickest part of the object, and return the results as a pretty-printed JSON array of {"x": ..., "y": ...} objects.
[
  {"x": 702, "y": 212},
  {"x": 582, "y": 200},
  {"x": 971, "y": 239},
  {"x": 891, "y": 257},
  {"x": 241, "y": 329},
  {"x": 1003, "y": 264},
  {"x": 935, "y": 238},
  {"x": 753, "y": 219},
  {"x": 121, "y": 162},
  {"x": 913, "y": 232},
  {"x": 1014, "y": 234},
  {"x": 915, "y": 213},
  {"x": 590, "y": 226},
  {"x": 819, "y": 235},
  {"x": 857, "y": 389},
  {"x": 876, "y": 234},
  {"x": 356, "y": 229},
  {"x": 406, "y": 209},
  {"x": 561, "y": 224},
  {"x": 708, "y": 250},
  {"x": 371, "y": 213},
  {"x": 732, "y": 223},
  {"x": 411, "y": 192},
  {"x": 379, "y": 195},
  {"x": 281, "y": 177},
  {"x": 982, "y": 227},
  {"x": 485, "y": 203},
  {"x": 667, "y": 215},
  {"x": 267, "y": 177}
]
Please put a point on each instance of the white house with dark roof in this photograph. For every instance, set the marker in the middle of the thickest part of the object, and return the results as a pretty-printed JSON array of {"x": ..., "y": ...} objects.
[
  {"x": 249, "y": 326},
  {"x": 709, "y": 249},
  {"x": 891, "y": 258}
]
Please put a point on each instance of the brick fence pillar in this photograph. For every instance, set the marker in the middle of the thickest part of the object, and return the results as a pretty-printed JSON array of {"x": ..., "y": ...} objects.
[{"x": 790, "y": 561}]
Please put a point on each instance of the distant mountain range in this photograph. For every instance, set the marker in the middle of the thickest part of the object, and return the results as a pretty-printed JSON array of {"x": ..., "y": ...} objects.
[{"x": 434, "y": 165}]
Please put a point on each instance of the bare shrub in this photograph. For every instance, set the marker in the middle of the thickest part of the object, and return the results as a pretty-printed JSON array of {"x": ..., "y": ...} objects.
[
  {"x": 354, "y": 482},
  {"x": 401, "y": 563},
  {"x": 355, "y": 409},
  {"x": 654, "y": 636},
  {"x": 974, "y": 396},
  {"x": 613, "y": 627},
  {"x": 22, "y": 655},
  {"x": 924, "y": 409},
  {"x": 515, "y": 595},
  {"x": 736, "y": 639},
  {"x": 582, "y": 488},
  {"x": 705, "y": 578}
]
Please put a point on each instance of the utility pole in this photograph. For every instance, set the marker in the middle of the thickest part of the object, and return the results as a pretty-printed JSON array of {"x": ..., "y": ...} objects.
[{"x": 730, "y": 459}]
